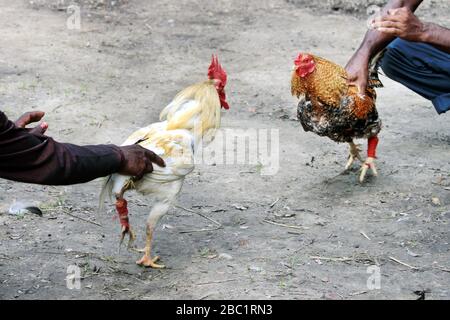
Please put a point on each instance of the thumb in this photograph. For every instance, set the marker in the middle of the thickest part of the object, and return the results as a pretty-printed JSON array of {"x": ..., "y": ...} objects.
[
  {"x": 360, "y": 83},
  {"x": 392, "y": 12},
  {"x": 362, "y": 86},
  {"x": 352, "y": 80},
  {"x": 40, "y": 129},
  {"x": 362, "y": 89}
]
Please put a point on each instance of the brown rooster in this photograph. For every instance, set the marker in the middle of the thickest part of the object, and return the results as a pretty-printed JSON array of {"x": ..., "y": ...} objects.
[{"x": 330, "y": 107}]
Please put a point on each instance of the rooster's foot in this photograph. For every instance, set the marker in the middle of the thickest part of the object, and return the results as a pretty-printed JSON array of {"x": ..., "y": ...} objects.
[
  {"x": 131, "y": 239},
  {"x": 148, "y": 262},
  {"x": 354, "y": 155},
  {"x": 369, "y": 164}
]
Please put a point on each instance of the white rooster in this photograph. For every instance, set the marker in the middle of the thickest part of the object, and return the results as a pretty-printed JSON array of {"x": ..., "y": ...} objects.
[{"x": 191, "y": 116}]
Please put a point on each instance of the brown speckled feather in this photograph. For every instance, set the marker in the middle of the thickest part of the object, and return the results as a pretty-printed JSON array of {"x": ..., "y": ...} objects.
[
  {"x": 328, "y": 85},
  {"x": 330, "y": 107}
]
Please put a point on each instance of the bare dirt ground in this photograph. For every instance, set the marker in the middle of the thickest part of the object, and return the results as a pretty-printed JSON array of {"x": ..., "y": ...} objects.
[{"x": 125, "y": 64}]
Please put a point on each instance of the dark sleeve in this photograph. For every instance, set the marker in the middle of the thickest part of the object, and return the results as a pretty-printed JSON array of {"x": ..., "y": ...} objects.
[{"x": 39, "y": 159}]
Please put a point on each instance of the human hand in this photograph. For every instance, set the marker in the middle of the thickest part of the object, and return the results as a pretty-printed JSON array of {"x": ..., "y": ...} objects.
[
  {"x": 358, "y": 72},
  {"x": 32, "y": 117},
  {"x": 402, "y": 23},
  {"x": 138, "y": 161}
]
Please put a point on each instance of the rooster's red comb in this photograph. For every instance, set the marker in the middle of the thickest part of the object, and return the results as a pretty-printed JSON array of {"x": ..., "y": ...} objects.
[
  {"x": 301, "y": 57},
  {"x": 216, "y": 72}
]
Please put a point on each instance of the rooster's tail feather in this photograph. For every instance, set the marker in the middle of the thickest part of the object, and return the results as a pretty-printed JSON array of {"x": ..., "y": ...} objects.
[
  {"x": 374, "y": 70},
  {"x": 105, "y": 193}
]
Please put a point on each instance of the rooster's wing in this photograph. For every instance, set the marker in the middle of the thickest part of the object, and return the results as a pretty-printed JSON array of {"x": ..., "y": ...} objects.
[{"x": 174, "y": 146}]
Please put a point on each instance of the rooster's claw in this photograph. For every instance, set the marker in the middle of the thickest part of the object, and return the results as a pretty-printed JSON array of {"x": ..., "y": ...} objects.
[
  {"x": 369, "y": 164},
  {"x": 132, "y": 237},
  {"x": 353, "y": 156}
]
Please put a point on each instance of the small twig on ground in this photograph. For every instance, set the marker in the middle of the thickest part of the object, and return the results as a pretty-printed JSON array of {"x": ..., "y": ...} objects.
[
  {"x": 213, "y": 282},
  {"x": 392, "y": 172},
  {"x": 357, "y": 293},
  {"x": 201, "y": 230},
  {"x": 442, "y": 269},
  {"x": 83, "y": 219},
  {"x": 365, "y": 235},
  {"x": 274, "y": 203},
  {"x": 201, "y": 215},
  {"x": 218, "y": 224},
  {"x": 205, "y": 296},
  {"x": 357, "y": 259},
  {"x": 285, "y": 225},
  {"x": 403, "y": 263},
  {"x": 402, "y": 213},
  {"x": 343, "y": 259}
]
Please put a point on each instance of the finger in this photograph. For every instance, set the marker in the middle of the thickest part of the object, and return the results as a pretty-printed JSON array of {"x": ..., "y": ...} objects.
[
  {"x": 396, "y": 11},
  {"x": 398, "y": 17},
  {"x": 391, "y": 11},
  {"x": 392, "y": 31},
  {"x": 378, "y": 18},
  {"x": 387, "y": 24},
  {"x": 361, "y": 85},
  {"x": 41, "y": 129},
  {"x": 149, "y": 167},
  {"x": 349, "y": 78},
  {"x": 155, "y": 158},
  {"x": 28, "y": 118},
  {"x": 22, "y": 121},
  {"x": 140, "y": 175},
  {"x": 36, "y": 116}
]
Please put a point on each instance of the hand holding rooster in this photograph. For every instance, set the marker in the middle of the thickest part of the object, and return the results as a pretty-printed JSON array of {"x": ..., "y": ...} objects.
[{"x": 138, "y": 161}]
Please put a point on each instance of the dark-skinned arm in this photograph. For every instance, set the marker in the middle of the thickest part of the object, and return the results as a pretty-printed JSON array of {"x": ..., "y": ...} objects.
[
  {"x": 402, "y": 23},
  {"x": 27, "y": 155},
  {"x": 374, "y": 41}
]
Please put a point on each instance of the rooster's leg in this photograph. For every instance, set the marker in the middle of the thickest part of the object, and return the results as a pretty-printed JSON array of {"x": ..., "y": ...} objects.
[
  {"x": 369, "y": 164},
  {"x": 354, "y": 154},
  {"x": 147, "y": 260},
  {"x": 131, "y": 239},
  {"x": 122, "y": 210},
  {"x": 157, "y": 212}
]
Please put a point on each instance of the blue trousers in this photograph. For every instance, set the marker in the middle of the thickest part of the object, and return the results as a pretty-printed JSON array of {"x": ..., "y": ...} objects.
[{"x": 422, "y": 68}]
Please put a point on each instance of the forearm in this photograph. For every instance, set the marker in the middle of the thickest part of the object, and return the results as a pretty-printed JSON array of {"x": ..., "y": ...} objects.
[
  {"x": 72, "y": 164},
  {"x": 25, "y": 157},
  {"x": 374, "y": 41},
  {"x": 437, "y": 36}
]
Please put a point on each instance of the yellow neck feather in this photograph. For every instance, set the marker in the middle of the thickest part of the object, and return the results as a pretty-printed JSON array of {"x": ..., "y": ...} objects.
[{"x": 201, "y": 116}]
